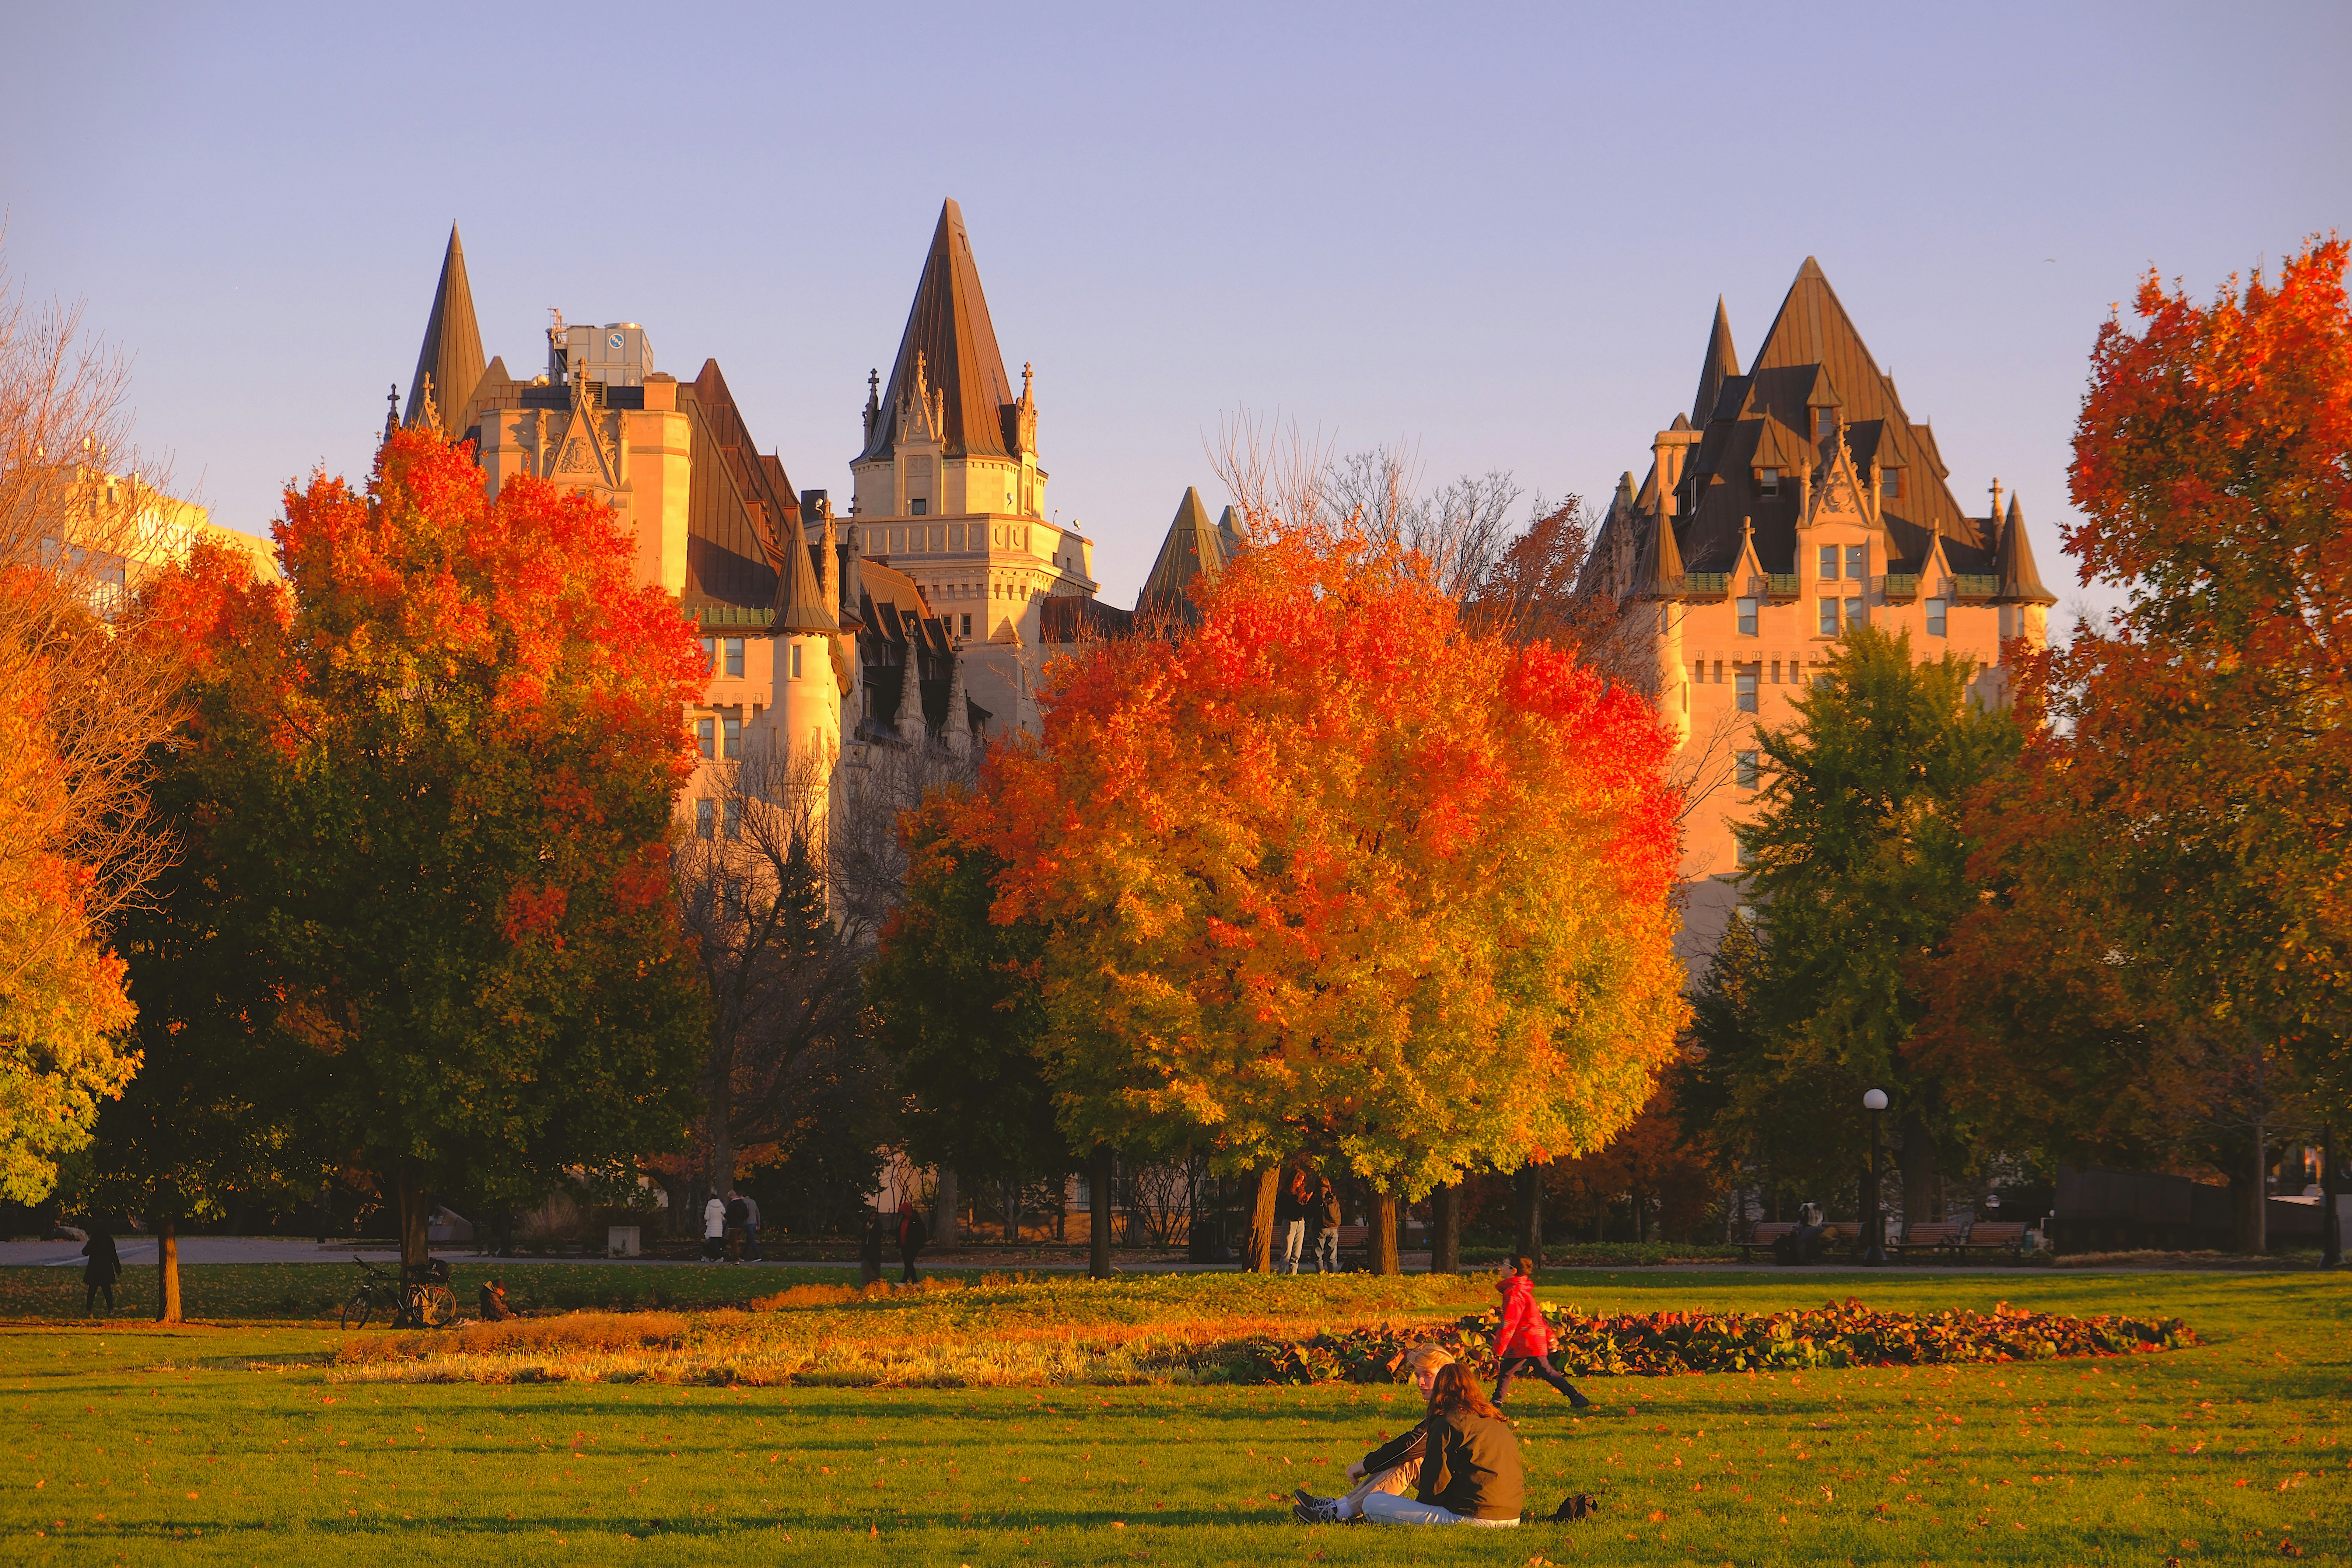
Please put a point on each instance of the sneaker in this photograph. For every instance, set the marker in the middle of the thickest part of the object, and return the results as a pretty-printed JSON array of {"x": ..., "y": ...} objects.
[
  {"x": 1316, "y": 1510},
  {"x": 1578, "y": 1402}
]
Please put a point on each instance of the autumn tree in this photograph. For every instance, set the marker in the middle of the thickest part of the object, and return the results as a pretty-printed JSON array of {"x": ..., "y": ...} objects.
[
  {"x": 448, "y": 756},
  {"x": 1337, "y": 871},
  {"x": 2179, "y": 831},
  {"x": 1858, "y": 868}
]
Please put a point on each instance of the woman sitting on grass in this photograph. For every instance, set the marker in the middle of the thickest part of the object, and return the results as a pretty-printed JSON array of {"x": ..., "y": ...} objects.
[
  {"x": 1470, "y": 1471},
  {"x": 1394, "y": 1466}
]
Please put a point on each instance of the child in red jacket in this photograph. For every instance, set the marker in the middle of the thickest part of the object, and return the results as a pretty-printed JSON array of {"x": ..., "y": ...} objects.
[{"x": 1523, "y": 1341}]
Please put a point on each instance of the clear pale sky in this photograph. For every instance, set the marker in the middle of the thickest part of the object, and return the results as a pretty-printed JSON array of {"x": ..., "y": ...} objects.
[{"x": 1497, "y": 233}]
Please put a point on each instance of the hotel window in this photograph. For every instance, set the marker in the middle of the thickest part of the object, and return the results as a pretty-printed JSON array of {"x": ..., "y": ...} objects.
[
  {"x": 1825, "y": 421},
  {"x": 1829, "y": 617},
  {"x": 706, "y": 818},
  {"x": 733, "y": 818},
  {"x": 919, "y": 507},
  {"x": 1743, "y": 685},
  {"x": 1890, "y": 484},
  {"x": 797, "y": 661},
  {"x": 735, "y": 656},
  {"x": 966, "y": 626},
  {"x": 1747, "y": 617},
  {"x": 1829, "y": 564},
  {"x": 1768, "y": 481},
  {"x": 1749, "y": 773},
  {"x": 730, "y": 745},
  {"x": 1853, "y": 614},
  {"x": 704, "y": 731},
  {"x": 1857, "y": 562},
  {"x": 1936, "y": 622},
  {"x": 710, "y": 656}
]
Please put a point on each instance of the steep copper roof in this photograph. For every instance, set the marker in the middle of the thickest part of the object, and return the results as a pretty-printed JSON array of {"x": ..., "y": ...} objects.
[
  {"x": 451, "y": 350},
  {"x": 799, "y": 597},
  {"x": 1812, "y": 358},
  {"x": 2021, "y": 580},
  {"x": 1191, "y": 549},
  {"x": 741, "y": 507},
  {"x": 949, "y": 326}
]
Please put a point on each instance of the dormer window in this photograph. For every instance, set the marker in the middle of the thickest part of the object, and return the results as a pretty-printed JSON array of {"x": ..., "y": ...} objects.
[
  {"x": 1825, "y": 421},
  {"x": 1768, "y": 481},
  {"x": 1890, "y": 484}
]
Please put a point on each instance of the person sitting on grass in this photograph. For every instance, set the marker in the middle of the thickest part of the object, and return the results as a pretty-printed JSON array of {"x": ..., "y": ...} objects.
[
  {"x": 1470, "y": 1470},
  {"x": 1394, "y": 1466},
  {"x": 494, "y": 1307},
  {"x": 1523, "y": 1343}
]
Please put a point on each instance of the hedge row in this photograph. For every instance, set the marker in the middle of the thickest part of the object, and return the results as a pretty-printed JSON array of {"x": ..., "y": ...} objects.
[{"x": 1660, "y": 1344}]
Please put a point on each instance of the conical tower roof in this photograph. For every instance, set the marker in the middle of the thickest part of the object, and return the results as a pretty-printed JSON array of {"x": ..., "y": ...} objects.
[
  {"x": 800, "y": 608},
  {"x": 2019, "y": 579},
  {"x": 1720, "y": 365},
  {"x": 1664, "y": 579},
  {"x": 1191, "y": 549},
  {"x": 452, "y": 352},
  {"x": 949, "y": 326}
]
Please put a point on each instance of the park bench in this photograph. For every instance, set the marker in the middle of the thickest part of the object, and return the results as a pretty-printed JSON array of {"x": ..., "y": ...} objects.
[
  {"x": 1834, "y": 1236},
  {"x": 1929, "y": 1236},
  {"x": 1763, "y": 1235},
  {"x": 1995, "y": 1235}
]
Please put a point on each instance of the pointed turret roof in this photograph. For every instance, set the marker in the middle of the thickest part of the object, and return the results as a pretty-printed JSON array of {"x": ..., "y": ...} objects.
[
  {"x": 2019, "y": 579},
  {"x": 1720, "y": 365},
  {"x": 1232, "y": 531},
  {"x": 1664, "y": 576},
  {"x": 1191, "y": 549},
  {"x": 949, "y": 326},
  {"x": 451, "y": 350},
  {"x": 800, "y": 608}
]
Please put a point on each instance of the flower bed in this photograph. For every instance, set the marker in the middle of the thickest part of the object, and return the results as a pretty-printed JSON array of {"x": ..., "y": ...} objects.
[{"x": 1658, "y": 1344}]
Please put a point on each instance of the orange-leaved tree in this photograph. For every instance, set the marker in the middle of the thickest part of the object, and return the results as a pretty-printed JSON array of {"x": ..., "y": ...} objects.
[
  {"x": 431, "y": 786},
  {"x": 1336, "y": 871},
  {"x": 2174, "y": 857}
]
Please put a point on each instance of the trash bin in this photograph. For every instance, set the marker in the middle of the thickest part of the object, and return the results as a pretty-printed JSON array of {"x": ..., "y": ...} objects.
[{"x": 620, "y": 1241}]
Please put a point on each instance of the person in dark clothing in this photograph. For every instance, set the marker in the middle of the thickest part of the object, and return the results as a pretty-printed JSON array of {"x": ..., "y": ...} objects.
[
  {"x": 98, "y": 1275},
  {"x": 1470, "y": 1469},
  {"x": 1323, "y": 1215},
  {"x": 1394, "y": 1466},
  {"x": 1290, "y": 1219},
  {"x": 495, "y": 1306},
  {"x": 869, "y": 1251},
  {"x": 912, "y": 1234},
  {"x": 1802, "y": 1245}
]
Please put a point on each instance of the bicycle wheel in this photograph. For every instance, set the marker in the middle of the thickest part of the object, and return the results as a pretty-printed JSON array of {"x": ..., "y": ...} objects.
[
  {"x": 356, "y": 1310},
  {"x": 435, "y": 1305}
]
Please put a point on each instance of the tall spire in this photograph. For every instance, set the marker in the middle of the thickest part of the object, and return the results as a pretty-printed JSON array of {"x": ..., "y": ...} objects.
[
  {"x": 949, "y": 327},
  {"x": 2019, "y": 580},
  {"x": 1720, "y": 365},
  {"x": 1666, "y": 558},
  {"x": 1191, "y": 549},
  {"x": 451, "y": 357},
  {"x": 800, "y": 609}
]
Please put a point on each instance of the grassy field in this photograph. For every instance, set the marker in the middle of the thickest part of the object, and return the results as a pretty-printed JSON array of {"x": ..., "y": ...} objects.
[{"x": 253, "y": 1442}]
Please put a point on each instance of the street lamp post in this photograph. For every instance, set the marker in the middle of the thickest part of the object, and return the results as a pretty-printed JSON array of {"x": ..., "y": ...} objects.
[{"x": 1874, "y": 1224}]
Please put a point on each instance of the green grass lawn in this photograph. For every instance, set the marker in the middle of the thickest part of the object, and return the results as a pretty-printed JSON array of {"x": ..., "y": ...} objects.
[{"x": 232, "y": 1443}]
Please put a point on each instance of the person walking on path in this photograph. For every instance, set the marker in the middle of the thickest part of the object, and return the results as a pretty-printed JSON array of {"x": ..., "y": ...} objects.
[
  {"x": 1290, "y": 1218},
  {"x": 750, "y": 1227},
  {"x": 104, "y": 1267},
  {"x": 1394, "y": 1466},
  {"x": 1523, "y": 1343},
  {"x": 912, "y": 1234},
  {"x": 1323, "y": 1209},
  {"x": 714, "y": 1229}
]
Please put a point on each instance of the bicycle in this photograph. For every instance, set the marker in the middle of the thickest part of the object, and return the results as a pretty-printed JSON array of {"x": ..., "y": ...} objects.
[{"x": 423, "y": 1301}]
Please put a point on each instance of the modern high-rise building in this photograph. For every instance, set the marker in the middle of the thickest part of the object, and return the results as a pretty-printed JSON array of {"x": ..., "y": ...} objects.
[{"x": 1795, "y": 500}]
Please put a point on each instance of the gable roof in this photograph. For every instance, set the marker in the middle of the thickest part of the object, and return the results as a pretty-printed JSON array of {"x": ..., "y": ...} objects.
[
  {"x": 1192, "y": 549},
  {"x": 739, "y": 505},
  {"x": 949, "y": 326},
  {"x": 451, "y": 350}
]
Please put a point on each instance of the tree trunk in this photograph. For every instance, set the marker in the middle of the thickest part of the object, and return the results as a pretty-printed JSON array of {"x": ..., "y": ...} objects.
[
  {"x": 944, "y": 1229},
  {"x": 1529, "y": 1183},
  {"x": 412, "y": 1213},
  {"x": 167, "y": 1268},
  {"x": 1383, "y": 1239},
  {"x": 1640, "y": 1216},
  {"x": 1267, "y": 1182},
  {"x": 2331, "y": 1224},
  {"x": 1100, "y": 1177},
  {"x": 2254, "y": 1209},
  {"x": 722, "y": 1114},
  {"x": 1919, "y": 1165},
  {"x": 1446, "y": 1230}
]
